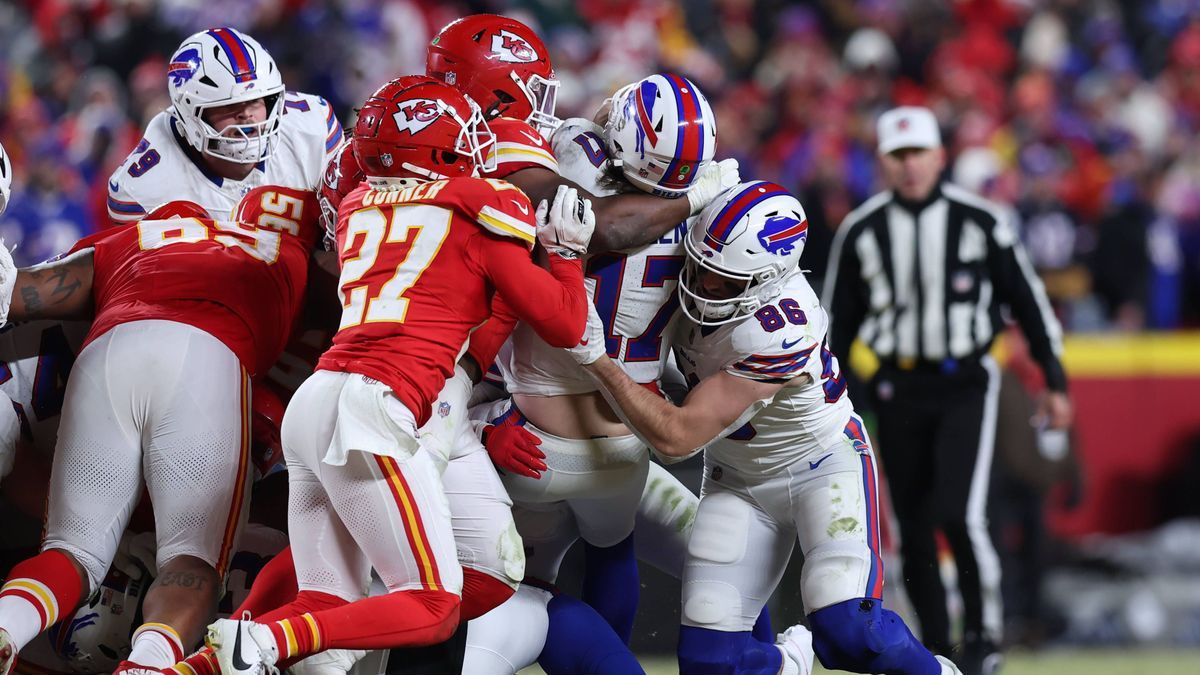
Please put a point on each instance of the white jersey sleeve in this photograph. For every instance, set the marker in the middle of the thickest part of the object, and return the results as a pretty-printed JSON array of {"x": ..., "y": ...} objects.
[
  {"x": 785, "y": 342},
  {"x": 633, "y": 291},
  {"x": 161, "y": 167}
]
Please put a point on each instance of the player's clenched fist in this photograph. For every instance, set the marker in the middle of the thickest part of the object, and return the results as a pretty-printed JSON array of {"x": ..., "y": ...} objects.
[
  {"x": 565, "y": 226},
  {"x": 514, "y": 449}
]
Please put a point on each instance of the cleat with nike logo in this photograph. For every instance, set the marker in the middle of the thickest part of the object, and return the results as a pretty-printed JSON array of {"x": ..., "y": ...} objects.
[
  {"x": 8, "y": 653},
  {"x": 243, "y": 647},
  {"x": 813, "y": 465}
]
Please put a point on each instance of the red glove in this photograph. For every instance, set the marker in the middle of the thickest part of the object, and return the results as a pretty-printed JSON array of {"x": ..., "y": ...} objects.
[{"x": 514, "y": 449}]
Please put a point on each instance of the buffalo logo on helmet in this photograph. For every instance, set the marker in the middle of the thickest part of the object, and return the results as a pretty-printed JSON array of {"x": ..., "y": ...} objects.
[
  {"x": 416, "y": 114},
  {"x": 184, "y": 66},
  {"x": 512, "y": 48},
  {"x": 780, "y": 234}
]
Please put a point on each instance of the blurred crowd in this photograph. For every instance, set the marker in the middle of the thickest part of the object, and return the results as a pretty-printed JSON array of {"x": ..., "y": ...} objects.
[{"x": 1082, "y": 115}]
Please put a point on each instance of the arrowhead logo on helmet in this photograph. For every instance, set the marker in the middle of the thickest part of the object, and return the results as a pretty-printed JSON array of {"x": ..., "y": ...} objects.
[
  {"x": 416, "y": 114},
  {"x": 184, "y": 66},
  {"x": 512, "y": 48},
  {"x": 781, "y": 233}
]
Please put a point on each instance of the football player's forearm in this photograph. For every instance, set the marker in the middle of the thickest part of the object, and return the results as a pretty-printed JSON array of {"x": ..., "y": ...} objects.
[
  {"x": 553, "y": 303},
  {"x": 57, "y": 290},
  {"x": 658, "y": 422},
  {"x": 633, "y": 219}
]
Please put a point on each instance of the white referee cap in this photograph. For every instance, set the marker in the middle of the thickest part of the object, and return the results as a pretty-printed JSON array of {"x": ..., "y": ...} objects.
[{"x": 907, "y": 127}]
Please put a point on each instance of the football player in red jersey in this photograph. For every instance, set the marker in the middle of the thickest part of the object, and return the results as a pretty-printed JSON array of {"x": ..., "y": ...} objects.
[
  {"x": 186, "y": 311},
  {"x": 502, "y": 65},
  {"x": 423, "y": 245}
]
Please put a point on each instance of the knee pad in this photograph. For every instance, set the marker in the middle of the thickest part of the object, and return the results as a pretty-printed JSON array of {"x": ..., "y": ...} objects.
[
  {"x": 836, "y": 571},
  {"x": 861, "y": 636},
  {"x": 712, "y": 652}
]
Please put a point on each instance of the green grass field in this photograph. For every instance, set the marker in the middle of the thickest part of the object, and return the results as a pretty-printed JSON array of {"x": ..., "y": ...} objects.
[{"x": 1065, "y": 662}]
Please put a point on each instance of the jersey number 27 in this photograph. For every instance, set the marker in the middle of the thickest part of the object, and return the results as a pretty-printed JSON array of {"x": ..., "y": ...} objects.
[{"x": 415, "y": 233}]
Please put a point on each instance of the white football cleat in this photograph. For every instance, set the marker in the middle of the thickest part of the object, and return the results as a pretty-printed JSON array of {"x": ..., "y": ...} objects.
[
  {"x": 329, "y": 662},
  {"x": 243, "y": 647},
  {"x": 796, "y": 645},
  {"x": 948, "y": 667},
  {"x": 8, "y": 653}
]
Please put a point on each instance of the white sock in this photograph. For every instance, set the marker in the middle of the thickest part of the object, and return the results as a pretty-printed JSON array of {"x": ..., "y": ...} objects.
[
  {"x": 156, "y": 645},
  {"x": 21, "y": 619}
]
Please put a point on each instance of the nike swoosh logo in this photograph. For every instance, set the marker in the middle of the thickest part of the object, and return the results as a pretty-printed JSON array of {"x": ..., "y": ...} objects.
[
  {"x": 811, "y": 465},
  {"x": 793, "y": 343},
  {"x": 521, "y": 207},
  {"x": 584, "y": 342},
  {"x": 113, "y": 186},
  {"x": 237, "y": 650},
  {"x": 533, "y": 138}
]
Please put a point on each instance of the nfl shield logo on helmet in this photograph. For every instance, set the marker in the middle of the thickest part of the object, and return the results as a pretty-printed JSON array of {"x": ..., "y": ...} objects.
[
  {"x": 416, "y": 114},
  {"x": 780, "y": 234},
  {"x": 184, "y": 66},
  {"x": 512, "y": 48},
  {"x": 386, "y": 159}
]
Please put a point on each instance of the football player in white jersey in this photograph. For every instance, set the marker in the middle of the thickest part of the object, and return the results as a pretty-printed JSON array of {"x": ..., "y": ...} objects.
[
  {"x": 593, "y": 486},
  {"x": 231, "y": 127},
  {"x": 786, "y": 456}
]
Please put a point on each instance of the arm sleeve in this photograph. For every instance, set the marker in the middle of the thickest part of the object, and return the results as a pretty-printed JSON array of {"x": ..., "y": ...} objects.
[
  {"x": 843, "y": 295},
  {"x": 1019, "y": 286},
  {"x": 333, "y": 132},
  {"x": 553, "y": 303},
  {"x": 486, "y": 341},
  {"x": 122, "y": 207}
]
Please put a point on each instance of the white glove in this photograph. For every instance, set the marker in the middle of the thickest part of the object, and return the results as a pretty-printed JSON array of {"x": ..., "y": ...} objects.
[
  {"x": 591, "y": 345},
  {"x": 8, "y": 281},
  {"x": 565, "y": 227},
  {"x": 714, "y": 179}
]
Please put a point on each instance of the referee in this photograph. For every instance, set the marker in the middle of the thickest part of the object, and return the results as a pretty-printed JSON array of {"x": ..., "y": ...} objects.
[{"x": 920, "y": 273}]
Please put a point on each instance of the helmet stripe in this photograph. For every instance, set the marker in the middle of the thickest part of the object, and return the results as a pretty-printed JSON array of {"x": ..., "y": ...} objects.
[
  {"x": 238, "y": 53},
  {"x": 690, "y": 135},
  {"x": 737, "y": 207},
  {"x": 643, "y": 114}
]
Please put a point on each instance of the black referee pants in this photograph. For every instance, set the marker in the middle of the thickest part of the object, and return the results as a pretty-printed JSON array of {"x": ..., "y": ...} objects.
[{"x": 936, "y": 437}]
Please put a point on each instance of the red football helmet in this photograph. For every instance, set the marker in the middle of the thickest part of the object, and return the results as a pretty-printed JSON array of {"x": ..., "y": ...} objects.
[
  {"x": 278, "y": 208},
  {"x": 180, "y": 208},
  {"x": 501, "y": 64},
  {"x": 417, "y": 127},
  {"x": 342, "y": 175}
]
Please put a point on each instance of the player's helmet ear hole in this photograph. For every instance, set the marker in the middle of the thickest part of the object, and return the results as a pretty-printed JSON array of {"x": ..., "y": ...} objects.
[
  {"x": 449, "y": 157},
  {"x": 504, "y": 96}
]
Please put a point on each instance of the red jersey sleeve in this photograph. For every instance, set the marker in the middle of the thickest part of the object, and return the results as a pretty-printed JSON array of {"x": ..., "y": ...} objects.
[
  {"x": 495, "y": 205},
  {"x": 553, "y": 303},
  {"x": 518, "y": 146},
  {"x": 486, "y": 341}
]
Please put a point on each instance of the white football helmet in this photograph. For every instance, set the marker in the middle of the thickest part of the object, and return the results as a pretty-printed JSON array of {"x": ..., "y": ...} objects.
[
  {"x": 218, "y": 67},
  {"x": 6, "y": 174},
  {"x": 661, "y": 132},
  {"x": 97, "y": 637},
  {"x": 751, "y": 236}
]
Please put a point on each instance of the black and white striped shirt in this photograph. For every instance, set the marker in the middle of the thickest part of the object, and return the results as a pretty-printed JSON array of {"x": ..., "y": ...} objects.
[{"x": 922, "y": 284}]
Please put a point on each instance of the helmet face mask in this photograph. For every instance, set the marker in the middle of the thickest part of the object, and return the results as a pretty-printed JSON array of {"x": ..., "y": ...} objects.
[
  {"x": 661, "y": 132},
  {"x": 6, "y": 176},
  {"x": 751, "y": 238},
  {"x": 220, "y": 67}
]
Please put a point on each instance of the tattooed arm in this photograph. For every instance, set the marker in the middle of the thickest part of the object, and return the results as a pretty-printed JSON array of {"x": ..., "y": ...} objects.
[{"x": 61, "y": 289}]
